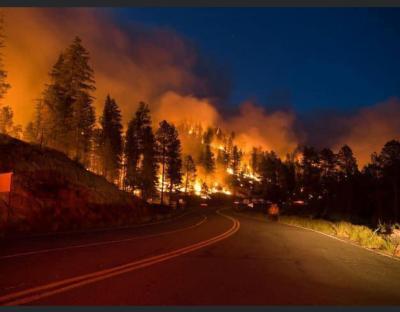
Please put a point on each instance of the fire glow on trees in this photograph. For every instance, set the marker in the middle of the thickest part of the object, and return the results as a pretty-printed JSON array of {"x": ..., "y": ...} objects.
[
  {"x": 221, "y": 146},
  {"x": 171, "y": 96},
  {"x": 212, "y": 151}
]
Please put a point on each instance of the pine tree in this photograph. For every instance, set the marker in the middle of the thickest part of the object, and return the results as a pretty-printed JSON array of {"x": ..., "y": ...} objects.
[
  {"x": 255, "y": 160},
  {"x": 347, "y": 162},
  {"x": 140, "y": 153},
  {"x": 55, "y": 131},
  {"x": 4, "y": 85},
  {"x": 149, "y": 164},
  {"x": 38, "y": 130},
  {"x": 328, "y": 178},
  {"x": 348, "y": 170},
  {"x": 29, "y": 134},
  {"x": 83, "y": 120},
  {"x": 189, "y": 172},
  {"x": 68, "y": 103},
  {"x": 110, "y": 145},
  {"x": 207, "y": 157},
  {"x": 236, "y": 158},
  {"x": 389, "y": 167},
  {"x": 96, "y": 163},
  {"x": 174, "y": 165},
  {"x": 287, "y": 178},
  {"x": 6, "y": 119},
  {"x": 133, "y": 150},
  {"x": 169, "y": 150},
  {"x": 229, "y": 148},
  {"x": 269, "y": 170},
  {"x": 6, "y": 113},
  {"x": 310, "y": 172},
  {"x": 79, "y": 79},
  {"x": 162, "y": 136},
  {"x": 235, "y": 166}
]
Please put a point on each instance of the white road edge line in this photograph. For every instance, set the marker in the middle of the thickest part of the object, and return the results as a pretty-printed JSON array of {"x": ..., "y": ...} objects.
[
  {"x": 331, "y": 236},
  {"x": 344, "y": 241},
  {"x": 33, "y": 294}
]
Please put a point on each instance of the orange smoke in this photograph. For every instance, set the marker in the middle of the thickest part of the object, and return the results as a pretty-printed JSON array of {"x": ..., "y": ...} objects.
[
  {"x": 371, "y": 128},
  {"x": 254, "y": 127},
  {"x": 132, "y": 65},
  {"x": 177, "y": 109},
  {"x": 136, "y": 63}
]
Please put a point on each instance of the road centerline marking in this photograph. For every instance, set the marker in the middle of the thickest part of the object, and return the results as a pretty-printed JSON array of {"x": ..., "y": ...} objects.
[{"x": 36, "y": 293}]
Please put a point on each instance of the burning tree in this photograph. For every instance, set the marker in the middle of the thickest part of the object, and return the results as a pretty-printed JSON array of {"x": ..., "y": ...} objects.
[
  {"x": 190, "y": 173},
  {"x": 207, "y": 156},
  {"x": 235, "y": 168}
]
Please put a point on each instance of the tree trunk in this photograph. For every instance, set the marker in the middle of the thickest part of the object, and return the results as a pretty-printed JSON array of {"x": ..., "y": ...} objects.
[
  {"x": 162, "y": 177},
  {"x": 187, "y": 177},
  {"x": 170, "y": 192}
]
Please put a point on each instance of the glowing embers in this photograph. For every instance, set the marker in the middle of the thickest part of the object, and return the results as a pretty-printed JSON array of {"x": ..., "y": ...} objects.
[
  {"x": 217, "y": 188},
  {"x": 252, "y": 176},
  {"x": 197, "y": 188}
]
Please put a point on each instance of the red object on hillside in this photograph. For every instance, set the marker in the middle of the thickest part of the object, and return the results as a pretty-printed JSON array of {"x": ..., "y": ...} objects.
[{"x": 5, "y": 182}]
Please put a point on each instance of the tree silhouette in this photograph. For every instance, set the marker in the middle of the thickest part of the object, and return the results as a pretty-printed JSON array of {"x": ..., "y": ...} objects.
[
  {"x": 169, "y": 150},
  {"x": 140, "y": 152},
  {"x": 110, "y": 145}
]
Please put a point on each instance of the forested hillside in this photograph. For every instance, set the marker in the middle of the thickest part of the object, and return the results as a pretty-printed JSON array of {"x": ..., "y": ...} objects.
[{"x": 52, "y": 192}]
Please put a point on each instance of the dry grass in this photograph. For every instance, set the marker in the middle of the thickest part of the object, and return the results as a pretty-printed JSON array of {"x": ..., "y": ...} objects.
[
  {"x": 314, "y": 224},
  {"x": 359, "y": 234}
]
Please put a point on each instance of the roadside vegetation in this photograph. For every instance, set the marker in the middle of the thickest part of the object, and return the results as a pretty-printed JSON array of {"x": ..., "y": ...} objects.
[{"x": 382, "y": 239}]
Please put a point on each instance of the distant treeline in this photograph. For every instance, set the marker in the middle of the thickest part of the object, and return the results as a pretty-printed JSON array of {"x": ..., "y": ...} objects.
[
  {"x": 141, "y": 160},
  {"x": 327, "y": 185}
]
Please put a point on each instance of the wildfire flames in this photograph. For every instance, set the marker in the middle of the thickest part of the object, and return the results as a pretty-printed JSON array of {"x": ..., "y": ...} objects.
[{"x": 169, "y": 82}]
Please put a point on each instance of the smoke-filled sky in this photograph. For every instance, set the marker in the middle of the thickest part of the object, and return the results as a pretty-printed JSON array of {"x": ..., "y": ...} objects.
[{"x": 277, "y": 77}]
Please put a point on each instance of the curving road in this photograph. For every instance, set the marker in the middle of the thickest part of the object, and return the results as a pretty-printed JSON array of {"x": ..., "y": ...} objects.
[{"x": 203, "y": 258}]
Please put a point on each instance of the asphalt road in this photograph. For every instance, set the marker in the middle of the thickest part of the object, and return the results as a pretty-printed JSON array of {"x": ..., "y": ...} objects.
[{"x": 203, "y": 258}]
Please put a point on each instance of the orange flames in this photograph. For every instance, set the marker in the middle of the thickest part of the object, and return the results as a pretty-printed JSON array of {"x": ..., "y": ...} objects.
[{"x": 136, "y": 63}]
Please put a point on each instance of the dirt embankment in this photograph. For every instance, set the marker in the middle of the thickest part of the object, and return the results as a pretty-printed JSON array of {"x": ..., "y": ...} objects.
[{"x": 51, "y": 192}]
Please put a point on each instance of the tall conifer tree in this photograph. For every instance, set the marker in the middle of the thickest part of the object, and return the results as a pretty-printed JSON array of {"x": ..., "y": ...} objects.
[
  {"x": 140, "y": 153},
  {"x": 110, "y": 137}
]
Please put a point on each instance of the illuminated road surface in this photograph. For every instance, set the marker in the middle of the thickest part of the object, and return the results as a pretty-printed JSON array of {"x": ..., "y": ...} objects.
[{"x": 203, "y": 258}]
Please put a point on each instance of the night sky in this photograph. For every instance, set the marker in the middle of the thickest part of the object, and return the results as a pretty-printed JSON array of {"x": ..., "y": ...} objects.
[{"x": 300, "y": 58}]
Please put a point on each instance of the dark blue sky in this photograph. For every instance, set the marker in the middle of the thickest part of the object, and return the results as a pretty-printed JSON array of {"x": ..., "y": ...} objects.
[{"x": 308, "y": 59}]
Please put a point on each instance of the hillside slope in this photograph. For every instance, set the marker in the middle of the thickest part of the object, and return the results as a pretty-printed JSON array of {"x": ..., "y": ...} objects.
[{"x": 51, "y": 192}]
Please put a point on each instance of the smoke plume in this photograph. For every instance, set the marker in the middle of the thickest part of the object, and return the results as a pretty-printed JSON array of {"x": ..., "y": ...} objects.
[
  {"x": 370, "y": 129},
  {"x": 133, "y": 63},
  {"x": 254, "y": 127}
]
